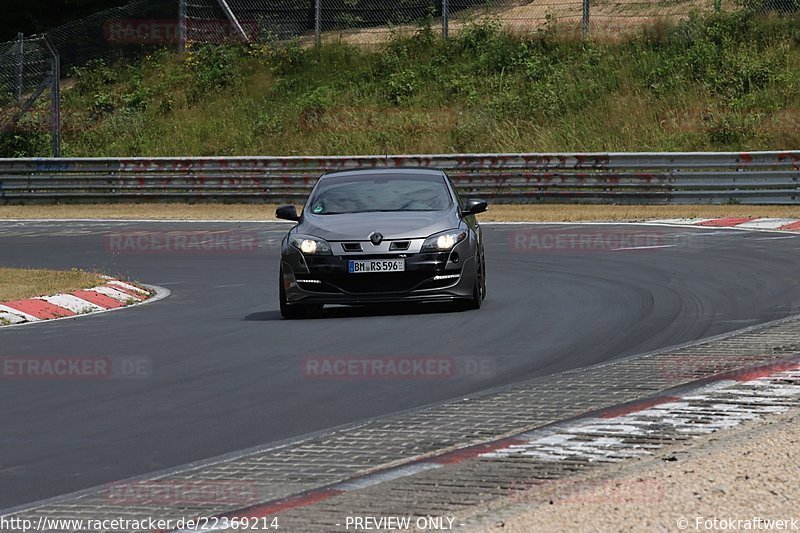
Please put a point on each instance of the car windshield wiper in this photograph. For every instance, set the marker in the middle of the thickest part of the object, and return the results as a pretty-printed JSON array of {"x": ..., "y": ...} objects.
[
  {"x": 392, "y": 210},
  {"x": 374, "y": 211}
]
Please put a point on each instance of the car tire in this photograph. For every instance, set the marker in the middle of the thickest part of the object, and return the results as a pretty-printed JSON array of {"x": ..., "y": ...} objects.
[
  {"x": 477, "y": 292},
  {"x": 483, "y": 276}
]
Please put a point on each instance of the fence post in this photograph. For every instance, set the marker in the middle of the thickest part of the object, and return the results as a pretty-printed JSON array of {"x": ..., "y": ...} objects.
[
  {"x": 318, "y": 22},
  {"x": 20, "y": 59},
  {"x": 181, "y": 28},
  {"x": 445, "y": 18},
  {"x": 55, "y": 92},
  {"x": 233, "y": 20},
  {"x": 585, "y": 17},
  {"x": 55, "y": 98}
]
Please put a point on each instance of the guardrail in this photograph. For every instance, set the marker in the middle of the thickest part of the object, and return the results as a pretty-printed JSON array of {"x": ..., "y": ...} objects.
[{"x": 692, "y": 177}]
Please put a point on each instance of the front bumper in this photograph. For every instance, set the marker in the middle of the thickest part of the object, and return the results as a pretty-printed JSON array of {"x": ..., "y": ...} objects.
[{"x": 429, "y": 277}]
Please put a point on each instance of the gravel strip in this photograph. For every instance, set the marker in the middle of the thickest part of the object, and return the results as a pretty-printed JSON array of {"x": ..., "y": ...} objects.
[{"x": 734, "y": 478}]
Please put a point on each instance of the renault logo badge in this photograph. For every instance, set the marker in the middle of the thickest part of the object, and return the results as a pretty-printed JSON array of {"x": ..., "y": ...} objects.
[{"x": 376, "y": 238}]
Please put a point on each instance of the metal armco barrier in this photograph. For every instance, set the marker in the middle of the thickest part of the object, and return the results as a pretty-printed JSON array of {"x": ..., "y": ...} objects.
[{"x": 658, "y": 178}]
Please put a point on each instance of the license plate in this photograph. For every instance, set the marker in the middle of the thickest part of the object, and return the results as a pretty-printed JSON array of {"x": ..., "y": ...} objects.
[{"x": 363, "y": 266}]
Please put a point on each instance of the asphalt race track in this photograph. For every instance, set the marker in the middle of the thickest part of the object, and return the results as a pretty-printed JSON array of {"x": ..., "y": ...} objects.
[{"x": 226, "y": 373}]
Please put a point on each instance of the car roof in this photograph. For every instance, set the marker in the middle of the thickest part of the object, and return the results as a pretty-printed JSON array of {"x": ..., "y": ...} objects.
[{"x": 397, "y": 171}]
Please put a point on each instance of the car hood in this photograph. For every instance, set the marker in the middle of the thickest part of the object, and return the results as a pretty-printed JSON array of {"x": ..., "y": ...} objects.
[{"x": 392, "y": 225}]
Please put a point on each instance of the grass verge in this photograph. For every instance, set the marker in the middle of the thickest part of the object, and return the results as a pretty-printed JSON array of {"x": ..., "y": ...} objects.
[
  {"x": 496, "y": 213},
  {"x": 18, "y": 283},
  {"x": 713, "y": 82}
]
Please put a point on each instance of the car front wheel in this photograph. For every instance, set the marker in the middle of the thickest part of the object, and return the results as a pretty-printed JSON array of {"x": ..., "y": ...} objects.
[{"x": 477, "y": 289}]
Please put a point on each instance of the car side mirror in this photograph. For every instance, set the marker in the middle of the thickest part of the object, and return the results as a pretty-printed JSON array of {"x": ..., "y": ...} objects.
[
  {"x": 287, "y": 212},
  {"x": 473, "y": 206}
]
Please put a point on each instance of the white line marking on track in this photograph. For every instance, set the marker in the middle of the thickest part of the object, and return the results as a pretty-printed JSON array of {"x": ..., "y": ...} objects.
[
  {"x": 682, "y": 220},
  {"x": 374, "y": 479},
  {"x": 643, "y": 247}
]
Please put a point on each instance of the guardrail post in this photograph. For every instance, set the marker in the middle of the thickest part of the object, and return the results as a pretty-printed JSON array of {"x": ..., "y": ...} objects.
[
  {"x": 445, "y": 18},
  {"x": 585, "y": 18}
]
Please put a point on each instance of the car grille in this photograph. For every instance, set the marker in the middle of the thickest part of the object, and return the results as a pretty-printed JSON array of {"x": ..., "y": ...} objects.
[
  {"x": 332, "y": 272},
  {"x": 378, "y": 282}
]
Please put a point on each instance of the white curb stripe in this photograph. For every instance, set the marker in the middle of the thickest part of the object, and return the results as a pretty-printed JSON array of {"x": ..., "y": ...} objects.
[
  {"x": 117, "y": 295},
  {"x": 767, "y": 223},
  {"x": 26, "y": 316},
  {"x": 79, "y": 306},
  {"x": 126, "y": 286},
  {"x": 10, "y": 317},
  {"x": 643, "y": 247},
  {"x": 380, "y": 477}
]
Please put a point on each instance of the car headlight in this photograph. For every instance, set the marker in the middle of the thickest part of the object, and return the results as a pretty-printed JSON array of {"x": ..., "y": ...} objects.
[
  {"x": 310, "y": 245},
  {"x": 444, "y": 241}
]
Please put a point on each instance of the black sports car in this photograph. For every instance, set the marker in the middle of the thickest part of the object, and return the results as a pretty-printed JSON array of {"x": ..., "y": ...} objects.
[{"x": 388, "y": 235}]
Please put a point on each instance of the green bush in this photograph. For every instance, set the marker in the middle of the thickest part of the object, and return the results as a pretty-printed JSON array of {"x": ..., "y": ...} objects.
[
  {"x": 93, "y": 76},
  {"x": 213, "y": 67},
  {"x": 138, "y": 97},
  {"x": 24, "y": 143},
  {"x": 102, "y": 103},
  {"x": 402, "y": 86}
]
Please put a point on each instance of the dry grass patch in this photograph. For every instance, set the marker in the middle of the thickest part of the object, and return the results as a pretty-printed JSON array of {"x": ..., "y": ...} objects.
[
  {"x": 141, "y": 211},
  {"x": 18, "y": 283},
  {"x": 600, "y": 213},
  {"x": 497, "y": 212}
]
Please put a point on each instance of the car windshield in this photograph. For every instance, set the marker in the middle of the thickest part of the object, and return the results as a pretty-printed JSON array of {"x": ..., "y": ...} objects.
[{"x": 360, "y": 194}]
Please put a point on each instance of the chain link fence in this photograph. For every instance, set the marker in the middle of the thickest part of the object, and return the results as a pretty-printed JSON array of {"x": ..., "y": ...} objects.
[
  {"x": 23, "y": 65},
  {"x": 373, "y": 21}
]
